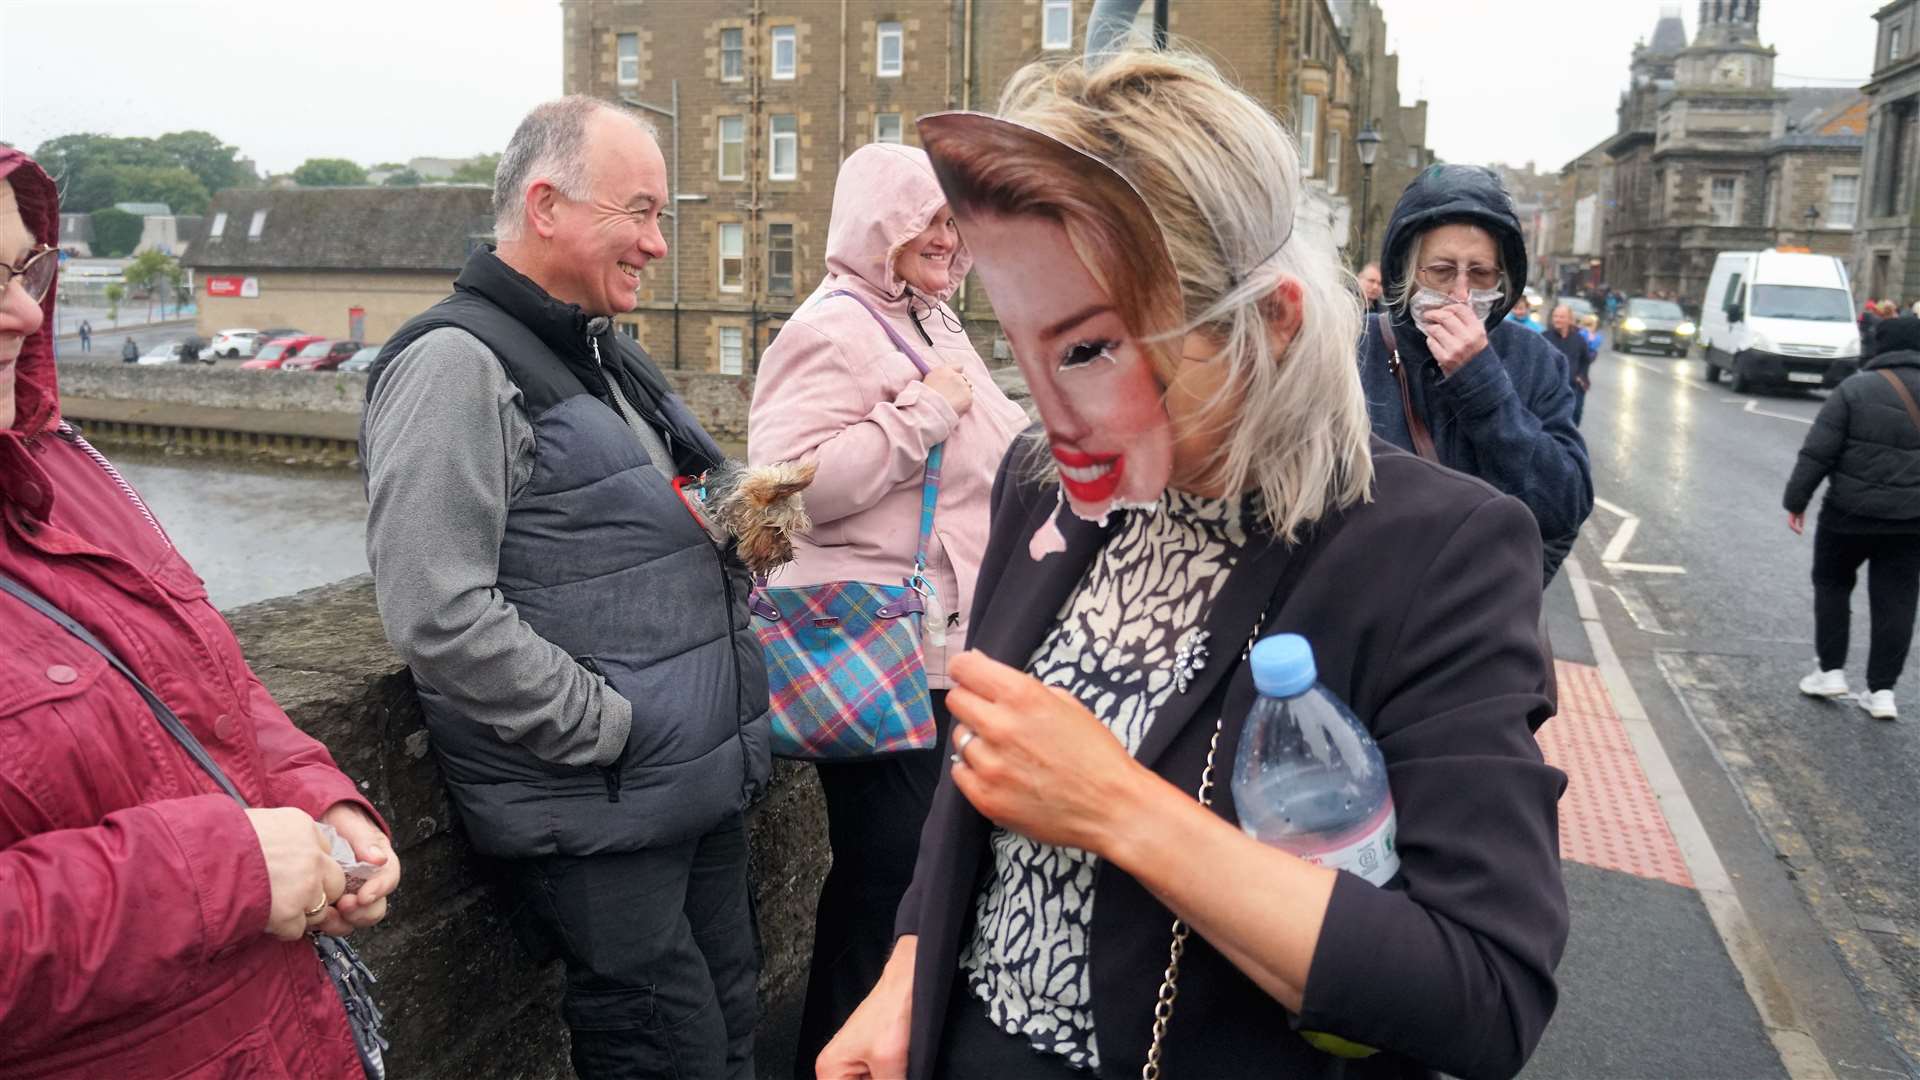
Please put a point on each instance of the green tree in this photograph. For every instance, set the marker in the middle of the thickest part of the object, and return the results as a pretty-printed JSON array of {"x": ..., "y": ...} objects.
[
  {"x": 213, "y": 162},
  {"x": 116, "y": 292},
  {"x": 115, "y": 233},
  {"x": 148, "y": 271},
  {"x": 92, "y": 169},
  {"x": 329, "y": 172},
  {"x": 404, "y": 178},
  {"x": 179, "y": 188},
  {"x": 478, "y": 169}
]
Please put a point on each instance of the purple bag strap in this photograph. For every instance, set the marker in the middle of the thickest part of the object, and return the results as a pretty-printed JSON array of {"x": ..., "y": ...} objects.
[{"x": 898, "y": 341}]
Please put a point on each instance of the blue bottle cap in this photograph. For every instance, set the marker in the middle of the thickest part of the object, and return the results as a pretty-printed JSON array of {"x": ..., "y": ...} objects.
[{"x": 1283, "y": 665}]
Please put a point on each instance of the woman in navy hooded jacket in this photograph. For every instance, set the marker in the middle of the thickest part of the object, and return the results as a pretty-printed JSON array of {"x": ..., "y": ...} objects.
[{"x": 1495, "y": 397}]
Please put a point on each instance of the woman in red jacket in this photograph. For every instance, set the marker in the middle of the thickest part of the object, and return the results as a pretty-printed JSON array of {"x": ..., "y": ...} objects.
[{"x": 151, "y": 926}]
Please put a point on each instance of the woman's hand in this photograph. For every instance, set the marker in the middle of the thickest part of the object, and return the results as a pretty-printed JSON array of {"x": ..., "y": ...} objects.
[
  {"x": 301, "y": 872},
  {"x": 1797, "y": 522},
  {"x": 368, "y": 905},
  {"x": 1454, "y": 336},
  {"x": 951, "y": 383},
  {"x": 873, "y": 1042},
  {"x": 1034, "y": 760}
]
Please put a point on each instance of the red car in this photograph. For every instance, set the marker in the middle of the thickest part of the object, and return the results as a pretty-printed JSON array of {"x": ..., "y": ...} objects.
[
  {"x": 322, "y": 355},
  {"x": 279, "y": 351}
]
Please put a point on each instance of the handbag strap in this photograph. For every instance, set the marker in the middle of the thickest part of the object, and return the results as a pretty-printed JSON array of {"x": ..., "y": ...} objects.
[
  {"x": 1416, "y": 427},
  {"x": 161, "y": 712},
  {"x": 1906, "y": 395}
]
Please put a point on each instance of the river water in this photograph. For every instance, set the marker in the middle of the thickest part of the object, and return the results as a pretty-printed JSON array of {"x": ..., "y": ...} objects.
[{"x": 255, "y": 531}]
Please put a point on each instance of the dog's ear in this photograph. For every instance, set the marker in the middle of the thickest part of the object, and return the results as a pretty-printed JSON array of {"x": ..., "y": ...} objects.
[{"x": 771, "y": 484}]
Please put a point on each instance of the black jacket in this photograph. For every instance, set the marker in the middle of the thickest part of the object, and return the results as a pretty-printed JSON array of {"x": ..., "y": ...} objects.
[
  {"x": 1574, "y": 348},
  {"x": 1867, "y": 448},
  {"x": 1437, "y": 651}
]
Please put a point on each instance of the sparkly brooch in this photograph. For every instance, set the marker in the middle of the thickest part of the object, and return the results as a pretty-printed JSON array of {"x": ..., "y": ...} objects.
[{"x": 1189, "y": 657}]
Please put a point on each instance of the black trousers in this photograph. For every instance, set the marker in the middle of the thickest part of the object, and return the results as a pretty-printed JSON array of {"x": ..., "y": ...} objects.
[
  {"x": 1893, "y": 588},
  {"x": 1579, "y": 405},
  {"x": 874, "y": 813},
  {"x": 972, "y": 1048},
  {"x": 662, "y": 956}
]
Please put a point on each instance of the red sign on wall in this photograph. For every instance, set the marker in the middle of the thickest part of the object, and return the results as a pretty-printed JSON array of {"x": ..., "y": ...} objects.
[{"x": 219, "y": 285}]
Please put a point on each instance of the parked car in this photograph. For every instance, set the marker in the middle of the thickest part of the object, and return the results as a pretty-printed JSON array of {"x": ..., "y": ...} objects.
[
  {"x": 1779, "y": 317},
  {"x": 361, "y": 361},
  {"x": 167, "y": 352},
  {"x": 234, "y": 344},
  {"x": 1579, "y": 305},
  {"x": 282, "y": 331},
  {"x": 1653, "y": 325},
  {"x": 322, "y": 355},
  {"x": 278, "y": 351}
]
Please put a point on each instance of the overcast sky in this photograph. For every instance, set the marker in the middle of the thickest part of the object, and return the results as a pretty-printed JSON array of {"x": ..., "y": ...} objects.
[{"x": 285, "y": 80}]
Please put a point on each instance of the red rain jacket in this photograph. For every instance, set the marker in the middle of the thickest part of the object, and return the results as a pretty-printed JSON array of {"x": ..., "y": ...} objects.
[{"x": 133, "y": 895}]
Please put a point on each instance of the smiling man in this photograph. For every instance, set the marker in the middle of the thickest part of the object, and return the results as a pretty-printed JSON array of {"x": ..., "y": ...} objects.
[{"x": 581, "y": 649}]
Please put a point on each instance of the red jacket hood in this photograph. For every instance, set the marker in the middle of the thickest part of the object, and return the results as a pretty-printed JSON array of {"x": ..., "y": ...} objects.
[{"x": 36, "y": 390}]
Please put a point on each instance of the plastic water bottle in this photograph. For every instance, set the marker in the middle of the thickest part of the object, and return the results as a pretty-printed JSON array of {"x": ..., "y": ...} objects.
[{"x": 1308, "y": 778}]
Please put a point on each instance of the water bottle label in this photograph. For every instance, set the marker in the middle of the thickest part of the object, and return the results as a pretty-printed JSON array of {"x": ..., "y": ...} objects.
[{"x": 1367, "y": 852}]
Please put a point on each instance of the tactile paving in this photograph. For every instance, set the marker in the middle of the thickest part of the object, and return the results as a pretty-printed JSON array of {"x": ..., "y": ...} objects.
[{"x": 1609, "y": 816}]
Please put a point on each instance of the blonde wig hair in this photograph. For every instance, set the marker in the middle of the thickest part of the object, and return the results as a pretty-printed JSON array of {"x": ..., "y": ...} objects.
[{"x": 1221, "y": 179}]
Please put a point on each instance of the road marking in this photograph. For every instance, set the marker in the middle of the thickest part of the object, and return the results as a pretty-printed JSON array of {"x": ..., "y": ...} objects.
[
  {"x": 1646, "y": 568},
  {"x": 1753, "y": 407},
  {"x": 1799, "y": 1053},
  {"x": 1617, "y": 546},
  {"x": 1611, "y": 508}
]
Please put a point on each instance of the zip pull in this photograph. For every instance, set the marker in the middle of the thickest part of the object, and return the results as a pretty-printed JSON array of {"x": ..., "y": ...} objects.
[{"x": 594, "y": 344}]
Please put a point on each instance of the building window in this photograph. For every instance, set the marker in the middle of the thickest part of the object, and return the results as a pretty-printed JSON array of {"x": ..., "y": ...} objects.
[
  {"x": 732, "y": 350},
  {"x": 1896, "y": 142},
  {"x": 631, "y": 329},
  {"x": 779, "y": 260},
  {"x": 1056, "y": 24},
  {"x": 733, "y": 148},
  {"x": 629, "y": 54},
  {"x": 1725, "y": 200},
  {"x": 886, "y": 127},
  {"x": 1333, "y": 161},
  {"x": 783, "y": 151},
  {"x": 891, "y": 42},
  {"x": 259, "y": 222},
  {"x": 1843, "y": 201},
  {"x": 733, "y": 54},
  {"x": 219, "y": 225},
  {"x": 1309, "y": 132},
  {"x": 1773, "y": 200},
  {"x": 785, "y": 52},
  {"x": 733, "y": 257},
  {"x": 1895, "y": 46}
]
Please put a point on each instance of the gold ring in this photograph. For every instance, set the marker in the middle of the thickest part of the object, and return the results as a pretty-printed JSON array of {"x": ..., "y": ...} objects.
[{"x": 314, "y": 911}]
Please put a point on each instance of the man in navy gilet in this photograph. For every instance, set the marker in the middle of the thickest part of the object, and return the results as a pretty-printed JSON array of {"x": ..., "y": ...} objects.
[{"x": 581, "y": 649}]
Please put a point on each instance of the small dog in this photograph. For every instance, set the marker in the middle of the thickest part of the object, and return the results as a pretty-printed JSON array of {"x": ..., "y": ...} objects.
[{"x": 759, "y": 508}]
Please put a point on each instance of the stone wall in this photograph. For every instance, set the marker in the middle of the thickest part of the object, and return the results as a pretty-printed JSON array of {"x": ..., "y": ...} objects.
[{"x": 462, "y": 998}]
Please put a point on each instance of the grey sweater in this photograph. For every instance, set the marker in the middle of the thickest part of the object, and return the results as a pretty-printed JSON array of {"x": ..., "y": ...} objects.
[{"x": 450, "y": 447}]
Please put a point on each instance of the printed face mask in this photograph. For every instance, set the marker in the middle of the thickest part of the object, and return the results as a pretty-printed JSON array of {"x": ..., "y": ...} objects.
[
  {"x": 1093, "y": 381},
  {"x": 1426, "y": 301}
]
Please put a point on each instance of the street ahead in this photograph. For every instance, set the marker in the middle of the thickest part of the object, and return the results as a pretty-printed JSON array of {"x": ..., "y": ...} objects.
[{"x": 1813, "y": 808}]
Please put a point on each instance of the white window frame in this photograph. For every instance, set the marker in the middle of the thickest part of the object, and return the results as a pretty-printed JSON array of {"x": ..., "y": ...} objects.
[
  {"x": 738, "y": 347},
  {"x": 1895, "y": 46},
  {"x": 738, "y": 234},
  {"x": 1048, "y": 10},
  {"x": 774, "y": 138},
  {"x": 1333, "y": 160},
  {"x": 720, "y": 137},
  {"x": 739, "y": 52},
  {"x": 793, "y": 258},
  {"x": 789, "y": 37},
  {"x": 219, "y": 226},
  {"x": 1732, "y": 203},
  {"x": 1835, "y": 219},
  {"x": 620, "y": 73},
  {"x": 258, "y": 224},
  {"x": 889, "y": 31},
  {"x": 899, "y": 127},
  {"x": 1309, "y": 134}
]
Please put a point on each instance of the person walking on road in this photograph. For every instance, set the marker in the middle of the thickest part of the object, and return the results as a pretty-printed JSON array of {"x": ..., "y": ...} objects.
[
  {"x": 1572, "y": 344},
  {"x": 1866, "y": 444},
  {"x": 129, "y": 352},
  {"x": 86, "y": 336},
  {"x": 580, "y": 645}
]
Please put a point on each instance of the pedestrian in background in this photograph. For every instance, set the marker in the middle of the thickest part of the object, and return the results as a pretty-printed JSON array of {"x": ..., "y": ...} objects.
[
  {"x": 1571, "y": 344},
  {"x": 86, "y": 336},
  {"x": 1522, "y": 314},
  {"x": 129, "y": 352},
  {"x": 1866, "y": 445},
  {"x": 834, "y": 389},
  {"x": 1590, "y": 329},
  {"x": 1369, "y": 279}
]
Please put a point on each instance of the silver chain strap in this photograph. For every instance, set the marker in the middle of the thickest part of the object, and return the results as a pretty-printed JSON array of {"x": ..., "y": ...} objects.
[{"x": 1170, "y": 983}]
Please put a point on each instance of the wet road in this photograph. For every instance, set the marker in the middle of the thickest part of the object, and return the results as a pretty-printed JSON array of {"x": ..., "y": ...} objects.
[
  {"x": 1696, "y": 546},
  {"x": 255, "y": 532}
]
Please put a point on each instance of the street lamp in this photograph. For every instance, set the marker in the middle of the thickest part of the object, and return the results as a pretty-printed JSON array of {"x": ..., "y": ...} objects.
[
  {"x": 1811, "y": 216},
  {"x": 1367, "y": 145}
]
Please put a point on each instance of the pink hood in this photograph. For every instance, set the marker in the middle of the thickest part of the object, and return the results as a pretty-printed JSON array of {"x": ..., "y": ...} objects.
[
  {"x": 36, "y": 392},
  {"x": 885, "y": 196}
]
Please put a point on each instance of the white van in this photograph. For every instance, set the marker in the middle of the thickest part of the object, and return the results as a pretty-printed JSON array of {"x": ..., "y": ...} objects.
[{"x": 1778, "y": 318}]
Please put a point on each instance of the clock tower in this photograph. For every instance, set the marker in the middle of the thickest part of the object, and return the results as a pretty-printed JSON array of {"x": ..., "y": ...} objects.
[{"x": 1726, "y": 53}]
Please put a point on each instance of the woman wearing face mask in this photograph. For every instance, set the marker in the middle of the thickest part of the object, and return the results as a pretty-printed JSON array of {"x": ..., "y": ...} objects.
[
  {"x": 1206, "y": 475},
  {"x": 1448, "y": 377},
  {"x": 833, "y": 388}
]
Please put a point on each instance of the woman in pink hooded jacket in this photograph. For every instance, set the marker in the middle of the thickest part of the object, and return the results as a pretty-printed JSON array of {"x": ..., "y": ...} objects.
[{"x": 832, "y": 388}]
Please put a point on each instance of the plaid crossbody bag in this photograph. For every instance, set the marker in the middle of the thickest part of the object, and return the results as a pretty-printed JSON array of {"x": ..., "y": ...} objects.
[{"x": 845, "y": 672}]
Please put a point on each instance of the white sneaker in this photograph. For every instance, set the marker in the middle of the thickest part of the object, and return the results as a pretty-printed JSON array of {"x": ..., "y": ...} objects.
[
  {"x": 1879, "y": 705},
  {"x": 1826, "y": 684}
]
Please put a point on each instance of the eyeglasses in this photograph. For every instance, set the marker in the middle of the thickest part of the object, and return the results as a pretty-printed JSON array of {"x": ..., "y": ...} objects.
[
  {"x": 1442, "y": 275},
  {"x": 35, "y": 271}
]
